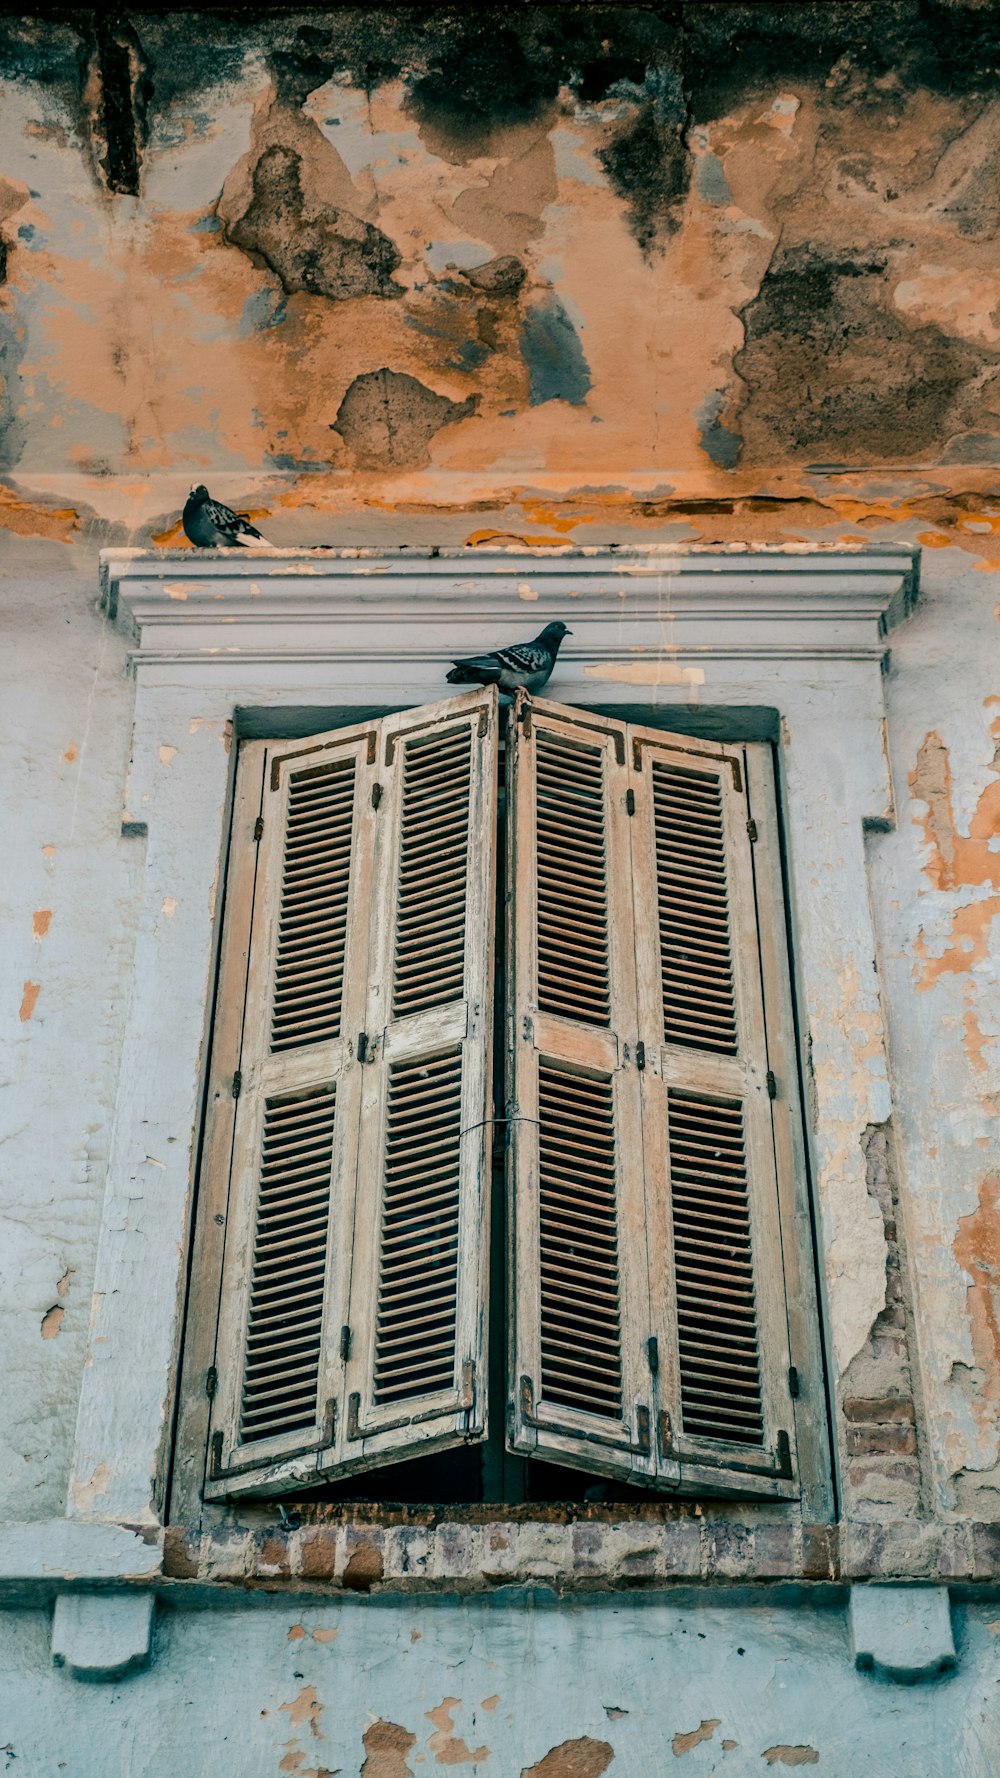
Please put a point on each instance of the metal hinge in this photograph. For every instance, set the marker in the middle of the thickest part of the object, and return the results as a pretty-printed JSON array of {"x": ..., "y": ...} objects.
[
  {"x": 237, "y": 1084},
  {"x": 793, "y": 1382},
  {"x": 771, "y": 1084},
  {"x": 345, "y": 1344},
  {"x": 362, "y": 1046},
  {"x": 640, "y": 1055},
  {"x": 653, "y": 1354},
  {"x": 211, "y": 1382},
  {"x": 258, "y": 828},
  {"x": 630, "y": 802},
  {"x": 376, "y": 795},
  {"x": 752, "y": 830}
]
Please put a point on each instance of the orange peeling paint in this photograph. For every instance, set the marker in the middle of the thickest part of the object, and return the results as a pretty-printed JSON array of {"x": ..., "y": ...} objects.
[
  {"x": 447, "y": 1747},
  {"x": 477, "y": 539},
  {"x": 977, "y": 1250},
  {"x": 28, "y": 519},
  {"x": 41, "y": 920},
  {"x": 296, "y": 1633},
  {"x": 52, "y": 1321},
  {"x": 974, "y": 1039},
  {"x": 71, "y": 753},
  {"x": 29, "y": 1000},
  {"x": 968, "y": 942},
  {"x": 683, "y": 1743},
  {"x": 958, "y": 861},
  {"x": 306, "y": 1708}
]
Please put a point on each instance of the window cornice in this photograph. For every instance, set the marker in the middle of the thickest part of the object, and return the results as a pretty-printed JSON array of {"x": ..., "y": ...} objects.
[{"x": 793, "y": 602}]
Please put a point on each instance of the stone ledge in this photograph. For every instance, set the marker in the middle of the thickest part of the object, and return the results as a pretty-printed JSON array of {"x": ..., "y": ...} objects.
[
  {"x": 423, "y": 1551},
  {"x": 580, "y": 1554}
]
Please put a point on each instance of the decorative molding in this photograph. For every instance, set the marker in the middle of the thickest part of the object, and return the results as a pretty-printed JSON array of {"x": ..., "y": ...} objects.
[{"x": 337, "y": 605}]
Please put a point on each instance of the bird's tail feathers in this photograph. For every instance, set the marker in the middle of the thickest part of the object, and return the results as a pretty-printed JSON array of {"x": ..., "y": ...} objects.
[
  {"x": 244, "y": 541},
  {"x": 463, "y": 676}
]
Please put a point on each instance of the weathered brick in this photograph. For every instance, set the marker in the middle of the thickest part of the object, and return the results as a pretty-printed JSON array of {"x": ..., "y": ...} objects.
[
  {"x": 181, "y": 1550},
  {"x": 682, "y": 1552},
  {"x": 985, "y": 1551},
  {"x": 774, "y": 1551},
  {"x": 956, "y": 1559},
  {"x": 729, "y": 1551},
  {"x": 894, "y": 1439},
  {"x": 269, "y": 1554},
  {"x": 225, "y": 1555},
  {"x": 454, "y": 1551},
  {"x": 365, "y": 1566},
  {"x": 820, "y": 1552},
  {"x": 318, "y": 1554},
  {"x": 886, "y": 1407}
]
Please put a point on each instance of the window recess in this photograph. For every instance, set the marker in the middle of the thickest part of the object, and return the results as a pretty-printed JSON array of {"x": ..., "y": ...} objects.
[{"x": 645, "y": 1316}]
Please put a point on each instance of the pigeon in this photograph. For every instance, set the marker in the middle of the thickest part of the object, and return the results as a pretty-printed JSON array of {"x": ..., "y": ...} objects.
[
  {"x": 525, "y": 666},
  {"x": 210, "y": 525}
]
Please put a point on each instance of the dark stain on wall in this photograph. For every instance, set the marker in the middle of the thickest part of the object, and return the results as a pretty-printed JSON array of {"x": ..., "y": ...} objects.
[
  {"x": 557, "y": 368},
  {"x": 647, "y": 160},
  {"x": 122, "y": 87},
  {"x": 321, "y": 252},
  {"x": 830, "y": 371},
  {"x": 474, "y": 70},
  {"x": 387, "y": 419}
]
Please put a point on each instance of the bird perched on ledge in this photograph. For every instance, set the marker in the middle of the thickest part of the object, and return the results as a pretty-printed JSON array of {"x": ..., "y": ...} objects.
[
  {"x": 525, "y": 666},
  {"x": 210, "y": 525}
]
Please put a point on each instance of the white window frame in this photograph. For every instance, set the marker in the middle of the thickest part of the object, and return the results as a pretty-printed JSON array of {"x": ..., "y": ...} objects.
[{"x": 225, "y": 646}]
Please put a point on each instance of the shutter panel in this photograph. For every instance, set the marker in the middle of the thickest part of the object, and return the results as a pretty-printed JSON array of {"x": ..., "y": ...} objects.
[
  {"x": 718, "y": 1312},
  {"x": 416, "y": 1373},
  {"x": 649, "y": 1336},
  {"x": 305, "y": 841},
  {"x": 580, "y": 1291},
  {"x": 353, "y": 1281}
]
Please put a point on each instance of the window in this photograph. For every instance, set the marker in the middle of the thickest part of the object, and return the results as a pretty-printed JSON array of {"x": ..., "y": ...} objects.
[{"x": 348, "y": 1166}]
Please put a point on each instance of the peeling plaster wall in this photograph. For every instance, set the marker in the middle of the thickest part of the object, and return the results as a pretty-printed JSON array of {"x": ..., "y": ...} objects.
[
  {"x": 573, "y": 274},
  {"x": 395, "y": 1691}
]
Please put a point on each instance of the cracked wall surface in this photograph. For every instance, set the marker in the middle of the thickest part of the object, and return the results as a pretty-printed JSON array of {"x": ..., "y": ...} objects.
[{"x": 562, "y": 275}]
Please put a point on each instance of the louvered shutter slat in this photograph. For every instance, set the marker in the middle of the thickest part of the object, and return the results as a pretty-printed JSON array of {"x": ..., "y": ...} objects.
[
  {"x": 416, "y": 1376},
  {"x": 718, "y": 1303},
  {"x": 580, "y": 1390},
  {"x": 295, "y": 1141}
]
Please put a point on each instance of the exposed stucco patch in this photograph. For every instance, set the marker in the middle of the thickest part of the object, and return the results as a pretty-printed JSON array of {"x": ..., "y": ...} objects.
[
  {"x": 29, "y": 1000},
  {"x": 30, "y": 518},
  {"x": 388, "y": 418},
  {"x": 958, "y": 861},
  {"x": 580, "y": 1758},
  {"x": 314, "y": 251},
  {"x": 683, "y": 1742},
  {"x": 386, "y": 1747},
  {"x": 306, "y": 1708},
  {"x": 52, "y": 1321},
  {"x": 830, "y": 368},
  {"x": 977, "y": 1249},
  {"x": 448, "y": 1748},
  {"x": 786, "y": 1755}
]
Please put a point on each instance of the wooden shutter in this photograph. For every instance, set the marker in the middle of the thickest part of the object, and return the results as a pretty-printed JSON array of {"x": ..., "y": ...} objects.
[
  {"x": 717, "y": 1311},
  {"x": 580, "y": 1289},
  {"x": 327, "y": 847},
  {"x": 648, "y": 1334},
  {"x": 416, "y": 1371}
]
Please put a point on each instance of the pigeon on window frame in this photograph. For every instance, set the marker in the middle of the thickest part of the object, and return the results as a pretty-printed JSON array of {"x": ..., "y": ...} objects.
[
  {"x": 525, "y": 666},
  {"x": 210, "y": 525}
]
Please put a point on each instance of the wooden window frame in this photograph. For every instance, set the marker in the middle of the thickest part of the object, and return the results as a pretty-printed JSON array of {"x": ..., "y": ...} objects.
[{"x": 221, "y": 644}]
